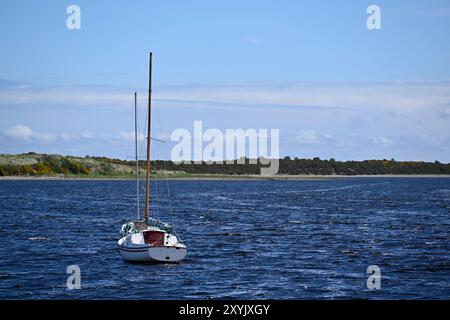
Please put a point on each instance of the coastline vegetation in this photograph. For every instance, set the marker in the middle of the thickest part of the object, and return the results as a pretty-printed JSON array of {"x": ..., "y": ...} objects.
[{"x": 43, "y": 165}]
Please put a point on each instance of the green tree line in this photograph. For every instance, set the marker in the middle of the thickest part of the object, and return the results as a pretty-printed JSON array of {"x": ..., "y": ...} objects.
[{"x": 65, "y": 165}]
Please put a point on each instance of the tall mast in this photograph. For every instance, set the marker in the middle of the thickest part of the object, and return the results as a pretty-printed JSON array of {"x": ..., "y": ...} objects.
[
  {"x": 147, "y": 177},
  {"x": 136, "y": 150}
]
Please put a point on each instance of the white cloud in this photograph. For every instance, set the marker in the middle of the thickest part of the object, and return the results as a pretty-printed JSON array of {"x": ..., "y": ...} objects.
[
  {"x": 307, "y": 137},
  {"x": 19, "y": 132},
  {"x": 24, "y": 133},
  {"x": 44, "y": 137},
  {"x": 252, "y": 40},
  {"x": 66, "y": 137},
  {"x": 380, "y": 140},
  {"x": 87, "y": 135},
  {"x": 164, "y": 135},
  {"x": 312, "y": 137},
  {"x": 83, "y": 96},
  {"x": 129, "y": 136},
  {"x": 444, "y": 112},
  {"x": 389, "y": 95}
]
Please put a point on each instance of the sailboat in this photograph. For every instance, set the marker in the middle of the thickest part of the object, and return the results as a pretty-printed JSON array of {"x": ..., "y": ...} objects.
[{"x": 149, "y": 239}]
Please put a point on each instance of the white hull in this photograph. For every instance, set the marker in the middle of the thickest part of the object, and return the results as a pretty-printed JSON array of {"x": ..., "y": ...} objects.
[{"x": 146, "y": 253}]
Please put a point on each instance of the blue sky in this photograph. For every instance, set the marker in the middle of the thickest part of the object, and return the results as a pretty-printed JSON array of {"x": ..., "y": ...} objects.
[{"x": 311, "y": 69}]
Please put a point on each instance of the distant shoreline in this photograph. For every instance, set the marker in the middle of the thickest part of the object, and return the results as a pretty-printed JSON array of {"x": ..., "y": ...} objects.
[
  {"x": 53, "y": 166},
  {"x": 237, "y": 178}
]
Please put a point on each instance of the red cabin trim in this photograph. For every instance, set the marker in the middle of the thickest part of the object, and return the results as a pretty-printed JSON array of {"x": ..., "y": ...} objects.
[{"x": 154, "y": 238}]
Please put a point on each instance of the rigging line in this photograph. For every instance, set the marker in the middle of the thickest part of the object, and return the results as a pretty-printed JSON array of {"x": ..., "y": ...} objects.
[
  {"x": 159, "y": 122},
  {"x": 128, "y": 134},
  {"x": 143, "y": 153},
  {"x": 156, "y": 190},
  {"x": 143, "y": 124},
  {"x": 160, "y": 129},
  {"x": 136, "y": 129},
  {"x": 142, "y": 150},
  {"x": 157, "y": 140},
  {"x": 128, "y": 138},
  {"x": 137, "y": 157},
  {"x": 177, "y": 235},
  {"x": 132, "y": 212},
  {"x": 169, "y": 197},
  {"x": 157, "y": 113}
]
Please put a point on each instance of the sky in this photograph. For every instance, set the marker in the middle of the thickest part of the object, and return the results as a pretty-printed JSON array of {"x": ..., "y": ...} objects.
[{"x": 311, "y": 69}]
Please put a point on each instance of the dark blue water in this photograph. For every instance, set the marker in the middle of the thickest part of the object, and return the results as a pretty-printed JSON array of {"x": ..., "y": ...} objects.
[{"x": 246, "y": 239}]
